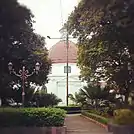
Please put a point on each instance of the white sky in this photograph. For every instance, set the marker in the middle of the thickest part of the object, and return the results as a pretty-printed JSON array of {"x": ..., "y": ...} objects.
[{"x": 48, "y": 16}]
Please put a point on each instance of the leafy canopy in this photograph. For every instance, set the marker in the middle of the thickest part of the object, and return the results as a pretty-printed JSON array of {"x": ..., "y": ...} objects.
[
  {"x": 105, "y": 39},
  {"x": 20, "y": 45}
]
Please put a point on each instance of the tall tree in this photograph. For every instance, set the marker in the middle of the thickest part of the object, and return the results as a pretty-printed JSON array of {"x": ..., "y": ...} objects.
[
  {"x": 105, "y": 33},
  {"x": 19, "y": 44}
]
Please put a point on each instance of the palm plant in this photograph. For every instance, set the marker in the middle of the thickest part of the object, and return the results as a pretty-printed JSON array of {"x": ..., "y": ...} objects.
[
  {"x": 95, "y": 95},
  {"x": 78, "y": 99}
]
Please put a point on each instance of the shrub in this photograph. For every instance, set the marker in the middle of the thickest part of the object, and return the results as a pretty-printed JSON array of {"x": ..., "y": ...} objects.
[
  {"x": 95, "y": 111},
  {"x": 70, "y": 109},
  {"x": 124, "y": 117},
  {"x": 46, "y": 100},
  {"x": 12, "y": 117},
  {"x": 105, "y": 112},
  {"x": 98, "y": 118},
  {"x": 110, "y": 110},
  {"x": 99, "y": 112}
]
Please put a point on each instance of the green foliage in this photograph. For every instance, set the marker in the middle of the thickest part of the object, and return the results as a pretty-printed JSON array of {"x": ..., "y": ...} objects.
[
  {"x": 45, "y": 100},
  {"x": 95, "y": 96},
  {"x": 105, "y": 112},
  {"x": 105, "y": 40},
  {"x": 98, "y": 118},
  {"x": 20, "y": 45},
  {"x": 79, "y": 99},
  {"x": 40, "y": 117},
  {"x": 95, "y": 92},
  {"x": 92, "y": 96},
  {"x": 70, "y": 109},
  {"x": 124, "y": 117},
  {"x": 95, "y": 112}
]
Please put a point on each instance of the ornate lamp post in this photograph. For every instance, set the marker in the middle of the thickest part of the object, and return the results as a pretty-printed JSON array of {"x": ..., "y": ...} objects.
[{"x": 23, "y": 74}]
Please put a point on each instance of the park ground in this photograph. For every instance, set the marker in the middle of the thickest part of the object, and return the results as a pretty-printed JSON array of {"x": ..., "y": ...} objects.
[{"x": 76, "y": 124}]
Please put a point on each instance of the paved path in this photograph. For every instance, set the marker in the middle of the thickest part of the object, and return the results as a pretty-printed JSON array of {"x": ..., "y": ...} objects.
[{"x": 79, "y": 125}]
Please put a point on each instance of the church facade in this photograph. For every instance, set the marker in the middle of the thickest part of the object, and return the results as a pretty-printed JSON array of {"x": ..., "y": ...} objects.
[{"x": 57, "y": 77}]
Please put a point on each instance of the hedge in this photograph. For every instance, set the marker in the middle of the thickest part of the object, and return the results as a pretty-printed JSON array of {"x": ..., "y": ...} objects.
[
  {"x": 70, "y": 109},
  {"x": 98, "y": 118},
  {"x": 27, "y": 117}
]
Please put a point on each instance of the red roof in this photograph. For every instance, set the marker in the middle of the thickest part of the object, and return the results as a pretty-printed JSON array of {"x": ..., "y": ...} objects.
[{"x": 58, "y": 52}]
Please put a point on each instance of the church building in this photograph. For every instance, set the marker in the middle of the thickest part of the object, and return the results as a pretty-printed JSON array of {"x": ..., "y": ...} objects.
[{"x": 58, "y": 75}]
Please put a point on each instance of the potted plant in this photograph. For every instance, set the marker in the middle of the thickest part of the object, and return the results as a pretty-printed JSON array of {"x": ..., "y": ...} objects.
[{"x": 123, "y": 122}]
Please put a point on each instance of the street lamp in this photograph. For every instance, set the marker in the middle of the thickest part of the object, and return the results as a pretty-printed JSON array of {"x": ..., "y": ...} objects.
[{"x": 23, "y": 74}]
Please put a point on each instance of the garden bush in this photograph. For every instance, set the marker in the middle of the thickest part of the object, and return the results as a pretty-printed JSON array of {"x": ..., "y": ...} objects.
[
  {"x": 43, "y": 99},
  {"x": 124, "y": 117},
  {"x": 96, "y": 117},
  {"x": 70, "y": 109},
  {"x": 40, "y": 117},
  {"x": 105, "y": 112},
  {"x": 95, "y": 111}
]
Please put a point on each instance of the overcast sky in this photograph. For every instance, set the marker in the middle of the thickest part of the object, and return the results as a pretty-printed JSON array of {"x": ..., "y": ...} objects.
[{"x": 48, "y": 16}]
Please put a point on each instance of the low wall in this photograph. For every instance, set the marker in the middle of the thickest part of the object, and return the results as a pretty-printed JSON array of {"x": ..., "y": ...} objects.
[{"x": 33, "y": 130}]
